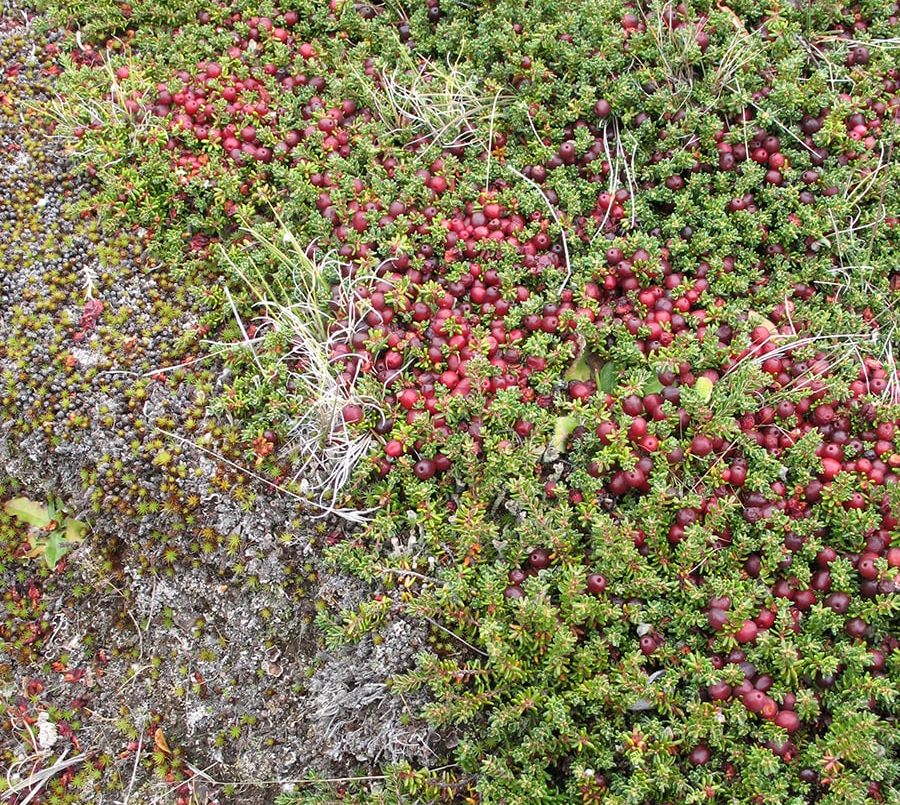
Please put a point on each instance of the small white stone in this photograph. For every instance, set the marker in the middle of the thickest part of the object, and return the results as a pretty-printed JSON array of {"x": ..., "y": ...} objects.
[{"x": 47, "y": 735}]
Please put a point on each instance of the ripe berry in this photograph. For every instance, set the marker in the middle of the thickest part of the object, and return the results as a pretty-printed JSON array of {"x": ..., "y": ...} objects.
[
  {"x": 408, "y": 398},
  {"x": 719, "y": 691},
  {"x": 701, "y": 446},
  {"x": 516, "y": 576},
  {"x": 769, "y": 709},
  {"x": 717, "y": 618},
  {"x": 788, "y": 720},
  {"x": 596, "y": 583},
  {"x": 539, "y": 559},
  {"x": 747, "y": 633},
  {"x": 866, "y": 566},
  {"x": 424, "y": 469},
  {"x": 700, "y": 755},
  {"x": 754, "y": 700},
  {"x": 839, "y": 602}
]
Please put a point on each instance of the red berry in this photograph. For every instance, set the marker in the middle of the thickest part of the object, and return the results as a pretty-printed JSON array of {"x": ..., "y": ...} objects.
[
  {"x": 830, "y": 468},
  {"x": 701, "y": 446},
  {"x": 788, "y": 720},
  {"x": 523, "y": 428},
  {"x": 700, "y": 755},
  {"x": 839, "y": 602},
  {"x": 516, "y": 576},
  {"x": 579, "y": 390},
  {"x": 866, "y": 566},
  {"x": 408, "y": 398},
  {"x": 719, "y": 691},
  {"x": 754, "y": 700},
  {"x": 747, "y": 633},
  {"x": 769, "y": 709},
  {"x": 596, "y": 583},
  {"x": 717, "y": 618},
  {"x": 539, "y": 559},
  {"x": 424, "y": 469}
]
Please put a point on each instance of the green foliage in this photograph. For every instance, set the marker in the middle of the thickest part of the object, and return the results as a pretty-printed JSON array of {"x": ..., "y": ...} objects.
[{"x": 52, "y": 534}]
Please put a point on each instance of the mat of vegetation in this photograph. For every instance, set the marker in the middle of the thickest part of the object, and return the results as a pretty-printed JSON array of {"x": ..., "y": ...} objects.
[
  {"x": 572, "y": 326},
  {"x": 156, "y": 638}
]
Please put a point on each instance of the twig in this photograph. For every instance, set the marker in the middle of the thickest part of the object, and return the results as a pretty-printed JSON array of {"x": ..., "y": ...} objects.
[
  {"x": 455, "y": 636},
  {"x": 401, "y": 572}
]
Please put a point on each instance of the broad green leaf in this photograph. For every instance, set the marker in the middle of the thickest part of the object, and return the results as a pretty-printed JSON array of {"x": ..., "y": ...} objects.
[
  {"x": 55, "y": 549},
  {"x": 28, "y": 511},
  {"x": 653, "y": 386},
  {"x": 579, "y": 369},
  {"x": 607, "y": 377},
  {"x": 563, "y": 429}
]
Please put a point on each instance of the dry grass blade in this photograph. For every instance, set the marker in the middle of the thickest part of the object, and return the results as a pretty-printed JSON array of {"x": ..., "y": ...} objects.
[
  {"x": 437, "y": 103},
  {"x": 36, "y": 781},
  {"x": 326, "y": 449},
  {"x": 111, "y": 112},
  {"x": 742, "y": 49},
  {"x": 613, "y": 181},
  {"x": 555, "y": 215}
]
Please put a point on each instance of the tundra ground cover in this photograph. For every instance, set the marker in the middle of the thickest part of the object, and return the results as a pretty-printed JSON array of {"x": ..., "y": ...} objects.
[{"x": 576, "y": 325}]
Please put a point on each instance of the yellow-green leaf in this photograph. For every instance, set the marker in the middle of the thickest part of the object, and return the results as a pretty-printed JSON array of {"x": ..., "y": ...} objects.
[
  {"x": 75, "y": 530},
  {"x": 704, "y": 388},
  {"x": 28, "y": 511},
  {"x": 758, "y": 318},
  {"x": 579, "y": 369},
  {"x": 563, "y": 429}
]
